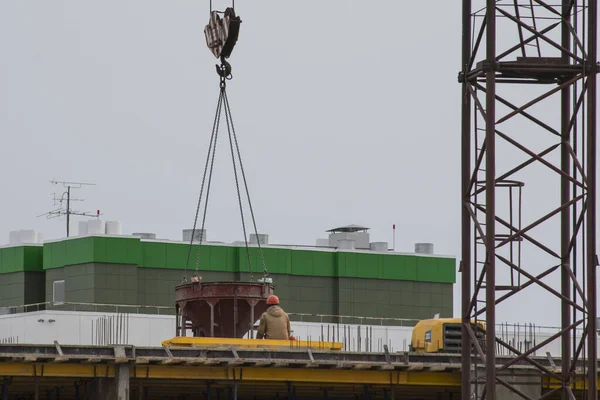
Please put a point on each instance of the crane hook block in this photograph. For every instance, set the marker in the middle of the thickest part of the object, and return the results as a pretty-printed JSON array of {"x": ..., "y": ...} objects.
[
  {"x": 222, "y": 32},
  {"x": 224, "y": 70}
]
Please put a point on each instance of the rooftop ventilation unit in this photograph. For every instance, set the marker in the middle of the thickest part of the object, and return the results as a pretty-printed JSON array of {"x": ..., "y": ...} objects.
[
  {"x": 356, "y": 233},
  {"x": 254, "y": 238},
  {"x": 96, "y": 227},
  {"x": 29, "y": 236},
  {"x": 379, "y": 246},
  {"x": 113, "y": 227},
  {"x": 198, "y": 234},
  {"x": 346, "y": 244},
  {"x": 424, "y": 248}
]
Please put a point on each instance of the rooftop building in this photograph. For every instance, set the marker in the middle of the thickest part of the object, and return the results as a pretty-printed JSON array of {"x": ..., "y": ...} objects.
[{"x": 345, "y": 278}]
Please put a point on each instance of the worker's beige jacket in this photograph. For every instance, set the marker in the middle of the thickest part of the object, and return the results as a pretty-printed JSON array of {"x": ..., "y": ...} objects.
[{"x": 274, "y": 324}]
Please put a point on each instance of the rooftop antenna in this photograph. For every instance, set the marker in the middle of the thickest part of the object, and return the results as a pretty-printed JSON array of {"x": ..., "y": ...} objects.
[{"x": 65, "y": 197}]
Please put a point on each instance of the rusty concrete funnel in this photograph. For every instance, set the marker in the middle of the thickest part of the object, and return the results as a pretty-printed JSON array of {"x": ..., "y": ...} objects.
[{"x": 220, "y": 309}]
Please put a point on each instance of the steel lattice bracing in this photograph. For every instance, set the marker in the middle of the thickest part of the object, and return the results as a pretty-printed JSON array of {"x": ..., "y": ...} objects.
[{"x": 529, "y": 182}]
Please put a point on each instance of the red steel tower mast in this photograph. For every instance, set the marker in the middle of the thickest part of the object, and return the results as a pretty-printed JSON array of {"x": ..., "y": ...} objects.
[{"x": 529, "y": 107}]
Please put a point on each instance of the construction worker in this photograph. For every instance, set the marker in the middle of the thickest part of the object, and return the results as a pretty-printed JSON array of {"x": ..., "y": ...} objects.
[{"x": 274, "y": 323}]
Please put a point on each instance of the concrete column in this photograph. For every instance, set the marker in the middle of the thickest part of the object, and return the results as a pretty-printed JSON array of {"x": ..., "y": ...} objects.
[
  {"x": 117, "y": 388},
  {"x": 122, "y": 381}
]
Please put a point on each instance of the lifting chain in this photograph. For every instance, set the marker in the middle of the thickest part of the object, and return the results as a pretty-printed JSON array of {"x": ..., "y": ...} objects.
[{"x": 224, "y": 72}]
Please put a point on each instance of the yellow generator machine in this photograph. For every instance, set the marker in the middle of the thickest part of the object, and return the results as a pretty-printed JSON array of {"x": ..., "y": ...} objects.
[{"x": 442, "y": 335}]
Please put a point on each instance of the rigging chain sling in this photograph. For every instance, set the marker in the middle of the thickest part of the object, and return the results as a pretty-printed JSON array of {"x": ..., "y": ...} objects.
[{"x": 224, "y": 72}]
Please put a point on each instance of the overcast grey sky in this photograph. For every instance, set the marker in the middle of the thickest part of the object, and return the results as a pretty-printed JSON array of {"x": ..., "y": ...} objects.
[{"x": 346, "y": 111}]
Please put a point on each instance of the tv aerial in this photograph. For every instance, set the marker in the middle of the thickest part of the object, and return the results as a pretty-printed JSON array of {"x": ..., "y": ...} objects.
[{"x": 62, "y": 202}]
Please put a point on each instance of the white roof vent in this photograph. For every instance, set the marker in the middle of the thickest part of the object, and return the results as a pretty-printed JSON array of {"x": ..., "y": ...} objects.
[
  {"x": 113, "y": 227},
  {"x": 379, "y": 246},
  {"x": 346, "y": 244},
  {"x": 254, "y": 238},
  {"x": 96, "y": 227},
  {"x": 359, "y": 234},
  {"x": 29, "y": 236},
  {"x": 424, "y": 248},
  {"x": 198, "y": 234}
]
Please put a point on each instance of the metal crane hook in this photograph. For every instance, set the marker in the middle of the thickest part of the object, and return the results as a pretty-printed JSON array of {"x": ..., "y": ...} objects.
[{"x": 224, "y": 70}]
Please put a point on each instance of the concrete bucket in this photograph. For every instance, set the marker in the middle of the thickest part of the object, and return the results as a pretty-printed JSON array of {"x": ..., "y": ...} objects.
[{"x": 220, "y": 309}]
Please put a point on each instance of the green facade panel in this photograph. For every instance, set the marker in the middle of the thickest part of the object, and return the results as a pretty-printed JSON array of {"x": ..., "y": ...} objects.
[
  {"x": 154, "y": 255},
  {"x": 234, "y": 259},
  {"x": 175, "y": 256},
  {"x": 20, "y": 258},
  {"x": 121, "y": 284},
  {"x": 23, "y": 287},
  {"x": 117, "y": 250},
  {"x": 396, "y": 267},
  {"x": 92, "y": 249}
]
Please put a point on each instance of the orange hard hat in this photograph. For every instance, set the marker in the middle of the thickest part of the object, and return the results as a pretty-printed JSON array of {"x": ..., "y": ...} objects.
[{"x": 273, "y": 300}]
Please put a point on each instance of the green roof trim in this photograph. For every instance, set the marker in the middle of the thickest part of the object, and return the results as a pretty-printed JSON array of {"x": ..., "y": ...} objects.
[
  {"x": 98, "y": 249},
  {"x": 288, "y": 261},
  {"x": 20, "y": 258}
]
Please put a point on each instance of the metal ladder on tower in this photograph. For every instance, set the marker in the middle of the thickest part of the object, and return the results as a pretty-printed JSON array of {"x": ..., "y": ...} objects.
[{"x": 526, "y": 14}]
